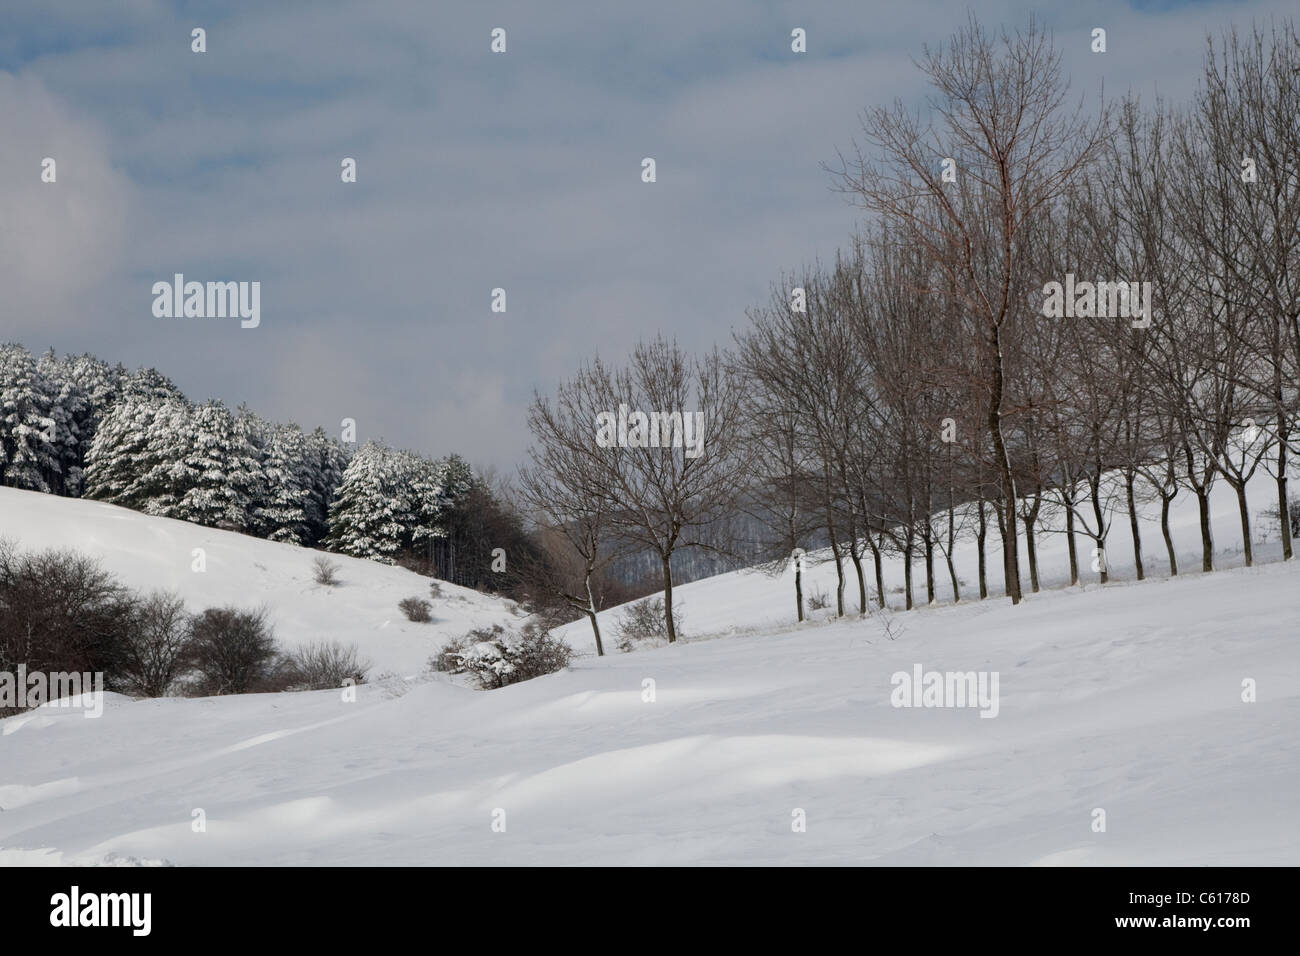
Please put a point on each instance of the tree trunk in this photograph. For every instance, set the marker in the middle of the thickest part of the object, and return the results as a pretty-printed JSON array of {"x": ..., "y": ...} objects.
[
  {"x": 1240, "y": 489},
  {"x": 1094, "y": 484},
  {"x": 839, "y": 583},
  {"x": 1010, "y": 546},
  {"x": 880, "y": 572},
  {"x": 1283, "y": 506},
  {"x": 1165, "y": 501},
  {"x": 798, "y": 588},
  {"x": 1207, "y": 539},
  {"x": 907, "y": 573},
  {"x": 1133, "y": 525},
  {"x": 1033, "y": 552},
  {"x": 929, "y": 569},
  {"x": 835, "y": 544},
  {"x": 862, "y": 579},
  {"x": 1069, "y": 538},
  {"x": 981, "y": 534},
  {"x": 1009, "y": 536},
  {"x": 947, "y": 555},
  {"x": 591, "y": 613},
  {"x": 668, "y": 598}
]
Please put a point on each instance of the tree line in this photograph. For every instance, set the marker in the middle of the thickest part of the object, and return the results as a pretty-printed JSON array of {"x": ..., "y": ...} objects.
[
  {"x": 934, "y": 383},
  {"x": 80, "y": 427}
]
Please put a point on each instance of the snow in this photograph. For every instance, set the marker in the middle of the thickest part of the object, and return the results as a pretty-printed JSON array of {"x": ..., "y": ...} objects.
[
  {"x": 147, "y": 552},
  {"x": 752, "y": 601},
  {"x": 1127, "y": 698}
]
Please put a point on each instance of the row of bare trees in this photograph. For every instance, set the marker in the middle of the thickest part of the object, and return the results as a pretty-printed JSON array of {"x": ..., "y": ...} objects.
[{"x": 915, "y": 391}]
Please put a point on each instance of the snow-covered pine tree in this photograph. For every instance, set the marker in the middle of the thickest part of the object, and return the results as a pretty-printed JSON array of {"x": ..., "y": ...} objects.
[
  {"x": 289, "y": 466},
  {"x": 101, "y": 385},
  {"x": 220, "y": 481},
  {"x": 458, "y": 480},
  {"x": 330, "y": 460},
  {"x": 28, "y": 427},
  {"x": 151, "y": 383},
  {"x": 429, "y": 502},
  {"x": 134, "y": 455},
  {"x": 371, "y": 517},
  {"x": 69, "y": 412}
]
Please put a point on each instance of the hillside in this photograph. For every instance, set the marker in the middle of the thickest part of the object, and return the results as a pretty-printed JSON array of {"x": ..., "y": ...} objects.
[
  {"x": 753, "y": 600},
  {"x": 145, "y": 552},
  {"x": 1126, "y": 699}
]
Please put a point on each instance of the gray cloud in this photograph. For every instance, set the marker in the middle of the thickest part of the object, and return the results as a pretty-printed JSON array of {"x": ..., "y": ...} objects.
[{"x": 476, "y": 171}]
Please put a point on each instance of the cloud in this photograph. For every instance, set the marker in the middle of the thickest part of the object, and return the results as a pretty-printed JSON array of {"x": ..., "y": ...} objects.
[
  {"x": 59, "y": 239},
  {"x": 476, "y": 171}
]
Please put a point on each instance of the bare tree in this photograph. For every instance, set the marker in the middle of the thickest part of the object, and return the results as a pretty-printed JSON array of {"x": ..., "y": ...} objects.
[
  {"x": 670, "y": 439},
  {"x": 155, "y": 649},
  {"x": 565, "y": 489},
  {"x": 1003, "y": 130}
]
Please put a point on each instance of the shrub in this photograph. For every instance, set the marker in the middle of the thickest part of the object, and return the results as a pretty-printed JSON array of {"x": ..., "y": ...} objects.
[
  {"x": 416, "y": 609},
  {"x": 233, "y": 650},
  {"x": 157, "y": 645},
  {"x": 505, "y": 657},
  {"x": 449, "y": 659},
  {"x": 326, "y": 665},
  {"x": 325, "y": 571},
  {"x": 61, "y": 611},
  {"x": 435, "y": 590},
  {"x": 817, "y": 600},
  {"x": 645, "y": 621}
]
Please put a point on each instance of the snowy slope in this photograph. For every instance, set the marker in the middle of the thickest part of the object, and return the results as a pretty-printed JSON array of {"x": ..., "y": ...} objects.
[
  {"x": 1125, "y": 699},
  {"x": 749, "y": 601},
  {"x": 145, "y": 552}
]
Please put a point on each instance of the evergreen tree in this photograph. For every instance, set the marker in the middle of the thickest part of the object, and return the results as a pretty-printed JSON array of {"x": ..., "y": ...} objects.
[
  {"x": 133, "y": 457},
  {"x": 217, "y": 471},
  {"x": 289, "y": 467},
  {"x": 329, "y": 460},
  {"x": 69, "y": 414},
  {"x": 28, "y": 428},
  {"x": 372, "y": 515}
]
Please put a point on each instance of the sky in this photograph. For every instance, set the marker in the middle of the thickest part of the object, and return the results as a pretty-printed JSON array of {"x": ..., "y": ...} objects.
[{"x": 475, "y": 171}]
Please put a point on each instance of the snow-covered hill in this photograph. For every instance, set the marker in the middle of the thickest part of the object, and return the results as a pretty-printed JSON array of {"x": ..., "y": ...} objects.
[
  {"x": 1131, "y": 699},
  {"x": 1127, "y": 700},
  {"x": 145, "y": 553},
  {"x": 752, "y": 601}
]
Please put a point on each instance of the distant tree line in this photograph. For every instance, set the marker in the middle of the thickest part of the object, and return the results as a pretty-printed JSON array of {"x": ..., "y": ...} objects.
[{"x": 80, "y": 427}]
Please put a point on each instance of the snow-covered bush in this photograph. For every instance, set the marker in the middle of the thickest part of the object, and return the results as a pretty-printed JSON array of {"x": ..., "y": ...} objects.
[
  {"x": 646, "y": 622},
  {"x": 416, "y": 609},
  {"x": 495, "y": 657}
]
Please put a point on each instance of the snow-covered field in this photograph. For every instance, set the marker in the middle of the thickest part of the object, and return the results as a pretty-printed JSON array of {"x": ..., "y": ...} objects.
[
  {"x": 145, "y": 553},
  {"x": 1126, "y": 699}
]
